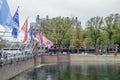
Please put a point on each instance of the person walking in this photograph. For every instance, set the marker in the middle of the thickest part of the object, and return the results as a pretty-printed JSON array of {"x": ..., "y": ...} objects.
[{"x": 0, "y": 54}]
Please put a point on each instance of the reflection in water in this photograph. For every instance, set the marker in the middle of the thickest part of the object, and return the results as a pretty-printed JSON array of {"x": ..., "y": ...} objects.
[
  {"x": 48, "y": 77},
  {"x": 81, "y": 71}
]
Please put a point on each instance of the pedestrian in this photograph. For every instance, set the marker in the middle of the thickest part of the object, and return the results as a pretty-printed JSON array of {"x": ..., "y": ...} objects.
[
  {"x": 115, "y": 53},
  {"x": 0, "y": 58},
  {"x": 5, "y": 55},
  {"x": 0, "y": 54},
  {"x": 96, "y": 52}
]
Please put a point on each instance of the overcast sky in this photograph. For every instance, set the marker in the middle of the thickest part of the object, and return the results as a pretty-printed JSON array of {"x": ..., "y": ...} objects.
[{"x": 83, "y": 9}]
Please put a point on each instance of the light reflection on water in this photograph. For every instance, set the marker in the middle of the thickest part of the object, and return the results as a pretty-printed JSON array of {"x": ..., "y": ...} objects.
[{"x": 77, "y": 71}]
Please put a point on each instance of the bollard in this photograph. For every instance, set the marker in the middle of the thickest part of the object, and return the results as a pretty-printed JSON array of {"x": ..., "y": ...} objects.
[
  {"x": 1, "y": 63},
  {"x": 115, "y": 53},
  {"x": 96, "y": 52},
  {"x": 11, "y": 61}
]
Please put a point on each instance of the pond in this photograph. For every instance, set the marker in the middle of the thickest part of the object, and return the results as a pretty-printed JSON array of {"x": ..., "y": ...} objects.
[{"x": 76, "y": 71}]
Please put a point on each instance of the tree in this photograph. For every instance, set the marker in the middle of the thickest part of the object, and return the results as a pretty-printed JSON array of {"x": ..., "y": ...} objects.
[
  {"x": 112, "y": 27},
  {"x": 78, "y": 36},
  {"x": 93, "y": 29},
  {"x": 58, "y": 30}
]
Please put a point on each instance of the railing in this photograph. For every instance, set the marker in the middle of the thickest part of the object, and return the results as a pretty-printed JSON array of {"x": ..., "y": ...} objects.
[{"x": 9, "y": 59}]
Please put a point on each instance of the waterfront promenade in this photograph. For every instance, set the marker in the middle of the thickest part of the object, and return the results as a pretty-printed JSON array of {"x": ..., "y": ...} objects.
[
  {"x": 47, "y": 59},
  {"x": 94, "y": 58}
]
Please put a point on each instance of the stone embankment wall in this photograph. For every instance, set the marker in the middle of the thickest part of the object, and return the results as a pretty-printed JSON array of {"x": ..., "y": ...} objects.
[
  {"x": 11, "y": 68},
  {"x": 47, "y": 59},
  {"x": 94, "y": 58}
]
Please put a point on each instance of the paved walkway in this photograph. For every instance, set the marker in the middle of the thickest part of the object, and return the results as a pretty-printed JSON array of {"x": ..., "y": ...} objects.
[{"x": 92, "y": 57}]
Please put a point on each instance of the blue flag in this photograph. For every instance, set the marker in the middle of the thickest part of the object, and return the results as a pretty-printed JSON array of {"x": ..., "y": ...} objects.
[
  {"x": 5, "y": 14},
  {"x": 41, "y": 38},
  {"x": 15, "y": 24},
  {"x": 30, "y": 35}
]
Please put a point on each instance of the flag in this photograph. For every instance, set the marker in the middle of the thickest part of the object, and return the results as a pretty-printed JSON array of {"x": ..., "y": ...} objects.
[
  {"x": 38, "y": 38},
  {"x": 45, "y": 40},
  {"x": 5, "y": 14},
  {"x": 25, "y": 31},
  {"x": 30, "y": 35},
  {"x": 41, "y": 38},
  {"x": 15, "y": 24},
  {"x": 31, "y": 38},
  {"x": 49, "y": 44}
]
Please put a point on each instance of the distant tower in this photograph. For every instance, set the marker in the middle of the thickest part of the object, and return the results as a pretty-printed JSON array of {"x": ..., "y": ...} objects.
[
  {"x": 37, "y": 19},
  {"x": 76, "y": 19},
  {"x": 77, "y": 23},
  {"x": 47, "y": 17}
]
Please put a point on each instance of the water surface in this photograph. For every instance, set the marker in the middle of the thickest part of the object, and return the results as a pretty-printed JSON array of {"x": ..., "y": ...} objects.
[{"x": 77, "y": 71}]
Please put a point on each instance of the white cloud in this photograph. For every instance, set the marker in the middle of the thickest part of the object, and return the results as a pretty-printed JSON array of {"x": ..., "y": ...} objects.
[{"x": 83, "y": 9}]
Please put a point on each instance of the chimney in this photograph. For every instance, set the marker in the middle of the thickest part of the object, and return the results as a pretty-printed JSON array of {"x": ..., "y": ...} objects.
[
  {"x": 76, "y": 19},
  {"x": 47, "y": 17},
  {"x": 37, "y": 19}
]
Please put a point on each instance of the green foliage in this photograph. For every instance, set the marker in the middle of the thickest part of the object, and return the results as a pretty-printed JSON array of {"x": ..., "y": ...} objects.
[
  {"x": 99, "y": 32},
  {"x": 93, "y": 29},
  {"x": 58, "y": 30},
  {"x": 102, "y": 32},
  {"x": 112, "y": 27},
  {"x": 78, "y": 36}
]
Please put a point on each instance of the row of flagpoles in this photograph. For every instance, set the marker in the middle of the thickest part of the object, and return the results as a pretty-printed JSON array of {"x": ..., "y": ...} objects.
[
  {"x": 39, "y": 38},
  {"x": 12, "y": 23}
]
